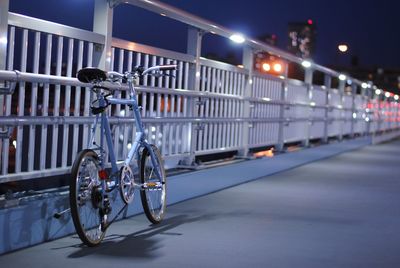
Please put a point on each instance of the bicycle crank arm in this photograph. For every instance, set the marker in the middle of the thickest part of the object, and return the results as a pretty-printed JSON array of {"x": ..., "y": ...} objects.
[{"x": 58, "y": 215}]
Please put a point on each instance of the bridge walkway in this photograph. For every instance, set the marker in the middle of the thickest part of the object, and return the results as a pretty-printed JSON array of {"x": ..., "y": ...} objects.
[{"x": 342, "y": 211}]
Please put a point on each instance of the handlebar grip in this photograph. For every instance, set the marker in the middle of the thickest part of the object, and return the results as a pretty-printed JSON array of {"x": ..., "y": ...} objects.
[{"x": 168, "y": 67}]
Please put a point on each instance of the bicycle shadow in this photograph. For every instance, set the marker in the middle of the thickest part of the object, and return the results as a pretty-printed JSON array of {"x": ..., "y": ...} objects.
[{"x": 142, "y": 244}]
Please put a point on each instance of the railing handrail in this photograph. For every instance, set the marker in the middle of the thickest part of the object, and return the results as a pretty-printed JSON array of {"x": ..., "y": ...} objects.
[
  {"x": 49, "y": 27},
  {"x": 211, "y": 27}
]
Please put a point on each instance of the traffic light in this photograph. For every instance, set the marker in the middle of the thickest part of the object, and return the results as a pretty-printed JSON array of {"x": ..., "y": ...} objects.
[{"x": 266, "y": 63}]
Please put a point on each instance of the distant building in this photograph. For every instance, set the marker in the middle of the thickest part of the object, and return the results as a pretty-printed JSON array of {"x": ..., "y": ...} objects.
[{"x": 302, "y": 38}]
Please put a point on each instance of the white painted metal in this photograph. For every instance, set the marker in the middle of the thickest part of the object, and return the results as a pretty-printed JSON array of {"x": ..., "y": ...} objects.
[{"x": 208, "y": 107}]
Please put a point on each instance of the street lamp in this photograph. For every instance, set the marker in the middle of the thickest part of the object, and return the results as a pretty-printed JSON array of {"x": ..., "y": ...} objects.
[
  {"x": 237, "y": 38},
  {"x": 343, "y": 48},
  {"x": 306, "y": 64}
]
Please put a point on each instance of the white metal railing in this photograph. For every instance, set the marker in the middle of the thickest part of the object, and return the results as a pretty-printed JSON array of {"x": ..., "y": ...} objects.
[{"x": 206, "y": 108}]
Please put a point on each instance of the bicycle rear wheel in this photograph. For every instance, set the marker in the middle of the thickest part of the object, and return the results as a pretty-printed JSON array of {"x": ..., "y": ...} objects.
[
  {"x": 153, "y": 193},
  {"x": 85, "y": 196}
]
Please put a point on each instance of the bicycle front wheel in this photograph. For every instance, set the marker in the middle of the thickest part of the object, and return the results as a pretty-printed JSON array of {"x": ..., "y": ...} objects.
[
  {"x": 85, "y": 195},
  {"x": 153, "y": 193}
]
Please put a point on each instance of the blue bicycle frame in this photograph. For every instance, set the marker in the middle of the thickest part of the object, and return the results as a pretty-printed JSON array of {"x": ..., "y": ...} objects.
[{"x": 140, "y": 140}]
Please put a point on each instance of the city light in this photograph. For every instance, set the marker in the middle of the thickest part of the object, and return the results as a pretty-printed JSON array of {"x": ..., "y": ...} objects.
[
  {"x": 266, "y": 67},
  {"x": 396, "y": 97},
  {"x": 364, "y": 85},
  {"x": 378, "y": 92},
  {"x": 387, "y": 94},
  {"x": 306, "y": 64},
  {"x": 237, "y": 38},
  {"x": 3, "y": 40},
  {"x": 278, "y": 67},
  {"x": 342, "y": 77},
  {"x": 343, "y": 48}
]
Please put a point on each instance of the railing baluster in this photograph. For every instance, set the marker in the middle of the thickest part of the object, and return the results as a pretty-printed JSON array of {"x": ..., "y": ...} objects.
[
  {"x": 87, "y": 100},
  {"x": 77, "y": 103},
  {"x": 67, "y": 104},
  {"x": 21, "y": 103},
  {"x": 56, "y": 107},
  {"x": 10, "y": 66}
]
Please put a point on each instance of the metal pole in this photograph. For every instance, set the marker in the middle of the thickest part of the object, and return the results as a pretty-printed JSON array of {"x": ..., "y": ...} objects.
[
  {"x": 193, "y": 48},
  {"x": 367, "y": 95},
  {"x": 4, "y": 5},
  {"x": 328, "y": 85},
  {"x": 342, "y": 84},
  {"x": 308, "y": 79},
  {"x": 248, "y": 58},
  {"x": 353, "y": 107},
  {"x": 102, "y": 24},
  {"x": 281, "y": 131}
]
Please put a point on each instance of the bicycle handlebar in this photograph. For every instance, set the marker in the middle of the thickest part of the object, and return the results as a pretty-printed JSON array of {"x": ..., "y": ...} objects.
[
  {"x": 158, "y": 68},
  {"x": 140, "y": 71}
]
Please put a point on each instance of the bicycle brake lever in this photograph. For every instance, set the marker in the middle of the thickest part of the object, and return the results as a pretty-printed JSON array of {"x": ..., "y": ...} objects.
[{"x": 169, "y": 75}]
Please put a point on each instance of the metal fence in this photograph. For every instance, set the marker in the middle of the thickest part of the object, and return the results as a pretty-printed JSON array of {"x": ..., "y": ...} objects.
[{"x": 206, "y": 108}]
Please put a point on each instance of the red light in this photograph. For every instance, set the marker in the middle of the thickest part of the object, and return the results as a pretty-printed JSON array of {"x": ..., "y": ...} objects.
[
  {"x": 310, "y": 22},
  {"x": 103, "y": 175}
]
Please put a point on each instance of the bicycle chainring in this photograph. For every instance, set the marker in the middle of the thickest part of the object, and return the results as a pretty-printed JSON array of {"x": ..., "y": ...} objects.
[{"x": 127, "y": 184}]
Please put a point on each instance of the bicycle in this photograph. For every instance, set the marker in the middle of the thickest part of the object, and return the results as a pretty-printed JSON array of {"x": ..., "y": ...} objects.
[{"x": 92, "y": 184}]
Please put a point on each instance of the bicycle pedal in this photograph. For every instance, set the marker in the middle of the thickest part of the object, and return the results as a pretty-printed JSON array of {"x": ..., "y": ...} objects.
[{"x": 151, "y": 184}]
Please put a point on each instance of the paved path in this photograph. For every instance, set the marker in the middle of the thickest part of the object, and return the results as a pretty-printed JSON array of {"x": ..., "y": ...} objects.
[{"x": 340, "y": 212}]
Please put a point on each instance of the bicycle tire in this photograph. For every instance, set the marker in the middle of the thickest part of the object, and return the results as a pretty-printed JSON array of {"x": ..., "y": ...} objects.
[
  {"x": 153, "y": 198},
  {"x": 85, "y": 196}
]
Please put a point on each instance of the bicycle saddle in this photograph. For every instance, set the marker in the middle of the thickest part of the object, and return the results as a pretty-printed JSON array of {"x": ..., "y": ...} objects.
[{"x": 90, "y": 75}]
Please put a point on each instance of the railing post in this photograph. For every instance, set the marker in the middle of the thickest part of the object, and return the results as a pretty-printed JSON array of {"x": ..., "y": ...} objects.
[
  {"x": 342, "y": 84},
  {"x": 353, "y": 107},
  {"x": 248, "y": 58},
  {"x": 4, "y": 5},
  {"x": 380, "y": 104},
  {"x": 384, "y": 102},
  {"x": 103, "y": 24},
  {"x": 281, "y": 135},
  {"x": 328, "y": 85},
  {"x": 194, "y": 40},
  {"x": 368, "y": 95},
  {"x": 308, "y": 79},
  {"x": 376, "y": 113}
]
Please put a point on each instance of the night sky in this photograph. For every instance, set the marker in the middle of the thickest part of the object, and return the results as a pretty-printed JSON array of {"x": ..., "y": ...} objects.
[{"x": 370, "y": 28}]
